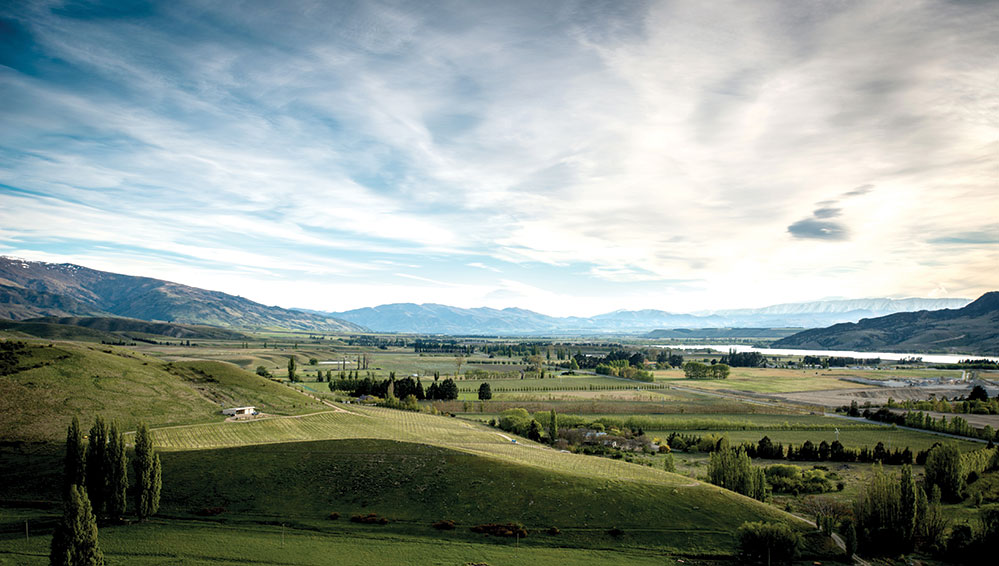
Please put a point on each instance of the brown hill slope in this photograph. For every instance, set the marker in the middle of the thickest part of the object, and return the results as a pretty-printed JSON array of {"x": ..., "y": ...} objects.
[{"x": 30, "y": 289}]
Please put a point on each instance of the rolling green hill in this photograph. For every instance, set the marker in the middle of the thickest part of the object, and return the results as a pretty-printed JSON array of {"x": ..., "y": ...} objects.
[{"x": 42, "y": 385}]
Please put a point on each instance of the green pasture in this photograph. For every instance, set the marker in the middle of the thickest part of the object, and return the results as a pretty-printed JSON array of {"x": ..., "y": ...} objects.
[
  {"x": 66, "y": 379},
  {"x": 764, "y": 380},
  {"x": 202, "y": 543}
]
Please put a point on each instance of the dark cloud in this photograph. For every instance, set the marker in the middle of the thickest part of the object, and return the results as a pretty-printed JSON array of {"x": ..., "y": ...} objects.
[
  {"x": 827, "y": 212},
  {"x": 811, "y": 228},
  {"x": 861, "y": 190}
]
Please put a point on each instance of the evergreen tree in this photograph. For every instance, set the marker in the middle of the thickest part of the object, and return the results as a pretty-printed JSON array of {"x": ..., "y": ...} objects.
[
  {"x": 97, "y": 475},
  {"x": 908, "y": 505},
  {"x": 553, "y": 425},
  {"x": 146, "y": 465},
  {"x": 485, "y": 392},
  {"x": 448, "y": 390},
  {"x": 74, "y": 542},
  {"x": 75, "y": 466},
  {"x": 534, "y": 433},
  {"x": 115, "y": 499}
]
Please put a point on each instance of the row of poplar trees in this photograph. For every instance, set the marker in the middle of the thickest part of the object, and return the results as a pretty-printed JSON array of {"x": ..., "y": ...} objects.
[{"x": 95, "y": 485}]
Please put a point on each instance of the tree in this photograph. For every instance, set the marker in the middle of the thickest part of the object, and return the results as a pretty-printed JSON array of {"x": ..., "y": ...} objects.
[
  {"x": 553, "y": 425},
  {"x": 96, "y": 464},
  {"x": 978, "y": 393},
  {"x": 849, "y": 531},
  {"x": 485, "y": 393},
  {"x": 668, "y": 464},
  {"x": 534, "y": 433},
  {"x": 943, "y": 469},
  {"x": 291, "y": 369},
  {"x": 908, "y": 504},
  {"x": 74, "y": 542},
  {"x": 458, "y": 361},
  {"x": 147, "y": 474},
  {"x": 262, "y": 371},
  {"x": 732, "y": 469},
  {"x": 768, "y": 543},
  {"x": 448, "y": 390},
  {"x": 75, "y": 465},
  {"x": 117, "y": 469}
]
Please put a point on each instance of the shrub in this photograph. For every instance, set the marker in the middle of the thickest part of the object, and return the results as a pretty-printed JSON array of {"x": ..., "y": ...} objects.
[
  {"x": 334, "y": 516},
  {"x": 445, "y": 525},
  {"x": 554, "y": 531},
  {"x": 210, "y": 511},
  {"x": 774, "y": 543},
  {"x": 501, "y": 530},
  {"x": 615, "y": 532},
  {"x": 369, "y": 519}
]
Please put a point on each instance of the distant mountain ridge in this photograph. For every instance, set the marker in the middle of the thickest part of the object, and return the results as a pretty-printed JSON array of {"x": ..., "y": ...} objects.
[
  {"x": 970, "y": 329},
  {"x": 32, "y": 289},
  {"x": 443, "y": 319}
]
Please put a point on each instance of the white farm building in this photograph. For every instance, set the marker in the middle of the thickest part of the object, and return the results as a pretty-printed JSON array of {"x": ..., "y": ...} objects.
[{"x": 240, "y": 411}]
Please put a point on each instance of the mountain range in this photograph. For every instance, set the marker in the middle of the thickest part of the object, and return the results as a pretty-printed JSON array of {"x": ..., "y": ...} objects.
[
  {"x": 444, "y": 319},
  {"x": 973, "y": 328},
  {"x": 31, "y": 289}
]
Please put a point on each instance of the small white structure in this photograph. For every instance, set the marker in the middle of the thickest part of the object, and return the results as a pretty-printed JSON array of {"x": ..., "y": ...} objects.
[{"x": 240, "y": 411}]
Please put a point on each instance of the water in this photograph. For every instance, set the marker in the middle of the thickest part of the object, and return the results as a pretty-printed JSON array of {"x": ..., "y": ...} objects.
[{"x": 929, "y": 358}]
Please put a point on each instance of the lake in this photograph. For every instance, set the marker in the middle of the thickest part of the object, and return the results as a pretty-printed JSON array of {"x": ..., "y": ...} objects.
[{"x": 929, "y": 358}]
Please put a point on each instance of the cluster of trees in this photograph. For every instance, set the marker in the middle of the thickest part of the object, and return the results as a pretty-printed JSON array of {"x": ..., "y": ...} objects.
[
  {"x": 744, "y": 359},
  {"x": 969, "y": 364},
  {"x": 95, "y": 485},
  {"x": 697, "y": 370},
  {"x": 623, "y": 368},
  {"x": 896, "y": 515},
  {"x": 442, "y": 347},
  {"x": 828, "y": 451},
  {"x": 446, "y": 390},
  {"x": 838, "y": 361},
  {"x": 788, "y": 478},
  {"x": 918, "y": 419},
  {"x": 519, "y": 421},
  {"x": 732, "y": 469},
  {"x": 10, "y": 356},
  {"x": 977, "y": 403},
  {"x": 768, "y": 543}
]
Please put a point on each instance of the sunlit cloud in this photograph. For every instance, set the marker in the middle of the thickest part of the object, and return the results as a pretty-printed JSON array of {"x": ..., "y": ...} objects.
[{"x": 599, "y": 155}]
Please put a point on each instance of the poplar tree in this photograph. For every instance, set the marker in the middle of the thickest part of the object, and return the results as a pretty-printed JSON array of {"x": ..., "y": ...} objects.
[
  {"x": 553, "y": 425},
  {"x": 147, "y": 474},
  {"x": 74, "y": 542},
  {"x": 291, "y": 369},
  {"x": 116, "y": 498},
  {"x": 97, "y": 475},
  {"x": 75, "y": 467}
]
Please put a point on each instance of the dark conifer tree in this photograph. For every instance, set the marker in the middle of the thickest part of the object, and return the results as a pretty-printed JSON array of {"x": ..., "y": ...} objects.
[
  {"x": 74, "y": 542},
  {"x": 97, "y": 474},
  {"x": 75, "y": 466},
  {"x": 115, "y": 500},
  {"x": 147, "y": 474}
]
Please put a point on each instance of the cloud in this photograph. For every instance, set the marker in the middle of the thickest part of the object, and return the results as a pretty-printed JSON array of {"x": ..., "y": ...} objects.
[
  {"x": 622, "y": 146},
  {"x": 818, "y": 229}
]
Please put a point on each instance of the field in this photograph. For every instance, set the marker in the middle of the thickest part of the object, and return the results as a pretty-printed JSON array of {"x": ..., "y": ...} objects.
[{"x": 274, "y": 480}]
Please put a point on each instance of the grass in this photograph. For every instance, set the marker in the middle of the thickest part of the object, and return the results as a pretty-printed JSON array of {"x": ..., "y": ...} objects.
[
  {"x": 765, "y": 380},
  {"x": 212, "y": 544},
  {"x": 59, "y": 380}
]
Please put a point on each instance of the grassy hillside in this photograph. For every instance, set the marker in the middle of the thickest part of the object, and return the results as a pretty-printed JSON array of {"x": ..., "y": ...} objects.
[{"x": 48, "y": 383}]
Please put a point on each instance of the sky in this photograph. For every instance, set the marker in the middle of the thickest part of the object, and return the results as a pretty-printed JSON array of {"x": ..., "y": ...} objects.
[{"x": 571, "y": 158}]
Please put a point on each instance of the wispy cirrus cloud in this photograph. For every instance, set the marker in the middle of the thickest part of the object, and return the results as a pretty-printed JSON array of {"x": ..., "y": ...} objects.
[{"x": 625, "y": 146}]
